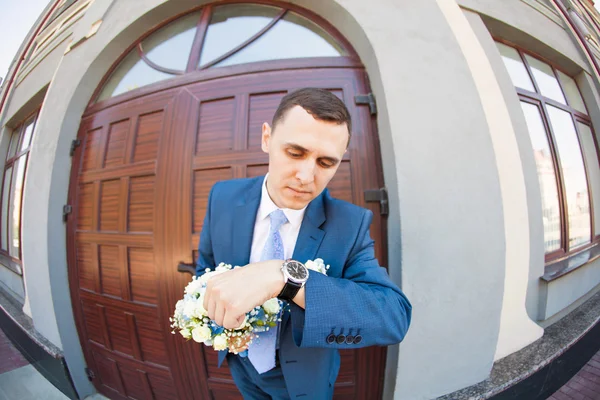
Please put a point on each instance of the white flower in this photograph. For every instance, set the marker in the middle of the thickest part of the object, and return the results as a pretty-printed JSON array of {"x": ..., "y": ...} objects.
[
  {"x": 194, "y": 287},
  {"x": 179, "y": 307},
  {"x": 271, "y": 306},
  {"x": 199, "y": 310},
  {"x": 220, "y": 342},
  {"x": 189, "y": 308},
  {"x": 185, "y": 333},
  {"x": 201, "y": 334},
  {"x": 222, "y": 267},
  {"x": 317, "y": 265}
]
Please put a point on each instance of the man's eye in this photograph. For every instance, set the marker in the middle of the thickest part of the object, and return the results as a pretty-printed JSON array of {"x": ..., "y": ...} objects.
[
  {"x": 326, "y": 164},
  {"x": 295, "y": 155}
]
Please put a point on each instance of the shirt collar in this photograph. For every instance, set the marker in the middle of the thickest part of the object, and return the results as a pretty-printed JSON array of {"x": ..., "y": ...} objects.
[{"x": 267, "y": 207}]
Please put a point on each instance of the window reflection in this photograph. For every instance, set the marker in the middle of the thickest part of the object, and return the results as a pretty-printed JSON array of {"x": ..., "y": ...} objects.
[
  {"x": 515, "y": 67},
  {"x": 15, "y": 208},
  {"x": 170, "y": 47},
  {"x": 14, "y": 143},
  {"x": 5, "y": 199},
  {"x": 571, "y": 162},
  {"x": 572, "y": 92},
  {"x": 546, "y": 176},
  {"x": 292, "y": 37},
  {"x": 593, "y": 169},
  {"x": 131, "y": 74},
  {"x": 545, "y": 79},
  {"x": 27, "y": 136},
  {"x": 230, "y": 26}
]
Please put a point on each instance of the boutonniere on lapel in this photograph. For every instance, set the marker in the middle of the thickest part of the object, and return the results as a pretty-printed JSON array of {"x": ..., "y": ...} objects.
[
  {"x": 317, "y": 265},
  {"x": 191, "y": 319}
]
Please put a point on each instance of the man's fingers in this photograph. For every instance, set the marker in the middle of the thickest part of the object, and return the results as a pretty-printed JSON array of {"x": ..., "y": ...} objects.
[
  {"x": 219, "y": 315},
  {"x": 212, "y": 306},
  {"x": 232, "y": 320}
]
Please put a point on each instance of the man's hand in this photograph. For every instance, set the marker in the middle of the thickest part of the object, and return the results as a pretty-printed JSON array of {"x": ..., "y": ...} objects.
[{"x": 230, "y": 295}]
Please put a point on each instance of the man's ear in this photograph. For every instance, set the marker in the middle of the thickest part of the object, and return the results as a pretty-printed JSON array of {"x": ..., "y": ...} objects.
[{"x": 266, "y": 137}]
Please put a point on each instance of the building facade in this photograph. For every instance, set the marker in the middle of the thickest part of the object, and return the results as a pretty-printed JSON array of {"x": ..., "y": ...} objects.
[{"x": 477, "y": 117}]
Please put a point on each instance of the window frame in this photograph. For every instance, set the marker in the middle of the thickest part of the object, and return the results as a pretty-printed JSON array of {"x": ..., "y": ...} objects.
[
  {"x": 541, "y": 102},
  {"x": 196, "y": 73},
  {"x": 13, "y": 263}
]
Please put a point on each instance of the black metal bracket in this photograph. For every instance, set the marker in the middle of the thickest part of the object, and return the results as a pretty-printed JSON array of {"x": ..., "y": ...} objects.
[
  {"x": 90, "y": 374},
  {"x": 67, "y": 209},
  {"x": 378, "y": 195},
  {"x": 74, "y": 145},
  {"x": 367, "y": 99}
]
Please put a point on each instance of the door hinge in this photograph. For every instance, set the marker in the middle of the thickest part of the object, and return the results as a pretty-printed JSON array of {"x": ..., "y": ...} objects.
[
  {"x": 90, "y": 374},
  {"x": 74, "y": 145},
  {"x": 67, "y": 209},
  {"x": 367, "y": 99},
  {"x": 380, "y": 195}
]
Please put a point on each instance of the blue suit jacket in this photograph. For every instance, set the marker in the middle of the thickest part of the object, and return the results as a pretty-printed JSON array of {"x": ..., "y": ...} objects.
[{"x": 356, "y": 297}]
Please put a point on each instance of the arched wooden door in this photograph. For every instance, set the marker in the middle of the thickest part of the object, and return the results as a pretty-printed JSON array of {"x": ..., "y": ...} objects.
[{"x": 139, "y": 185}]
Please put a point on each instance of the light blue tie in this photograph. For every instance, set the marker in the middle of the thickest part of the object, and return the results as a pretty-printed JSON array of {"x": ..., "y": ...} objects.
[{"x": 262, "y": 350}]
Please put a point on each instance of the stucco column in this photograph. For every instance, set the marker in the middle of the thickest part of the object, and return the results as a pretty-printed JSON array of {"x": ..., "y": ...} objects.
[
  {"x": 447, "y": 208},
  {"x": 517, "y": 330}
]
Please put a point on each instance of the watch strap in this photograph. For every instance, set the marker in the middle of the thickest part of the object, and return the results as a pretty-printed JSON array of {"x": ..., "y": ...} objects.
[{"x": 289, "y": 291}]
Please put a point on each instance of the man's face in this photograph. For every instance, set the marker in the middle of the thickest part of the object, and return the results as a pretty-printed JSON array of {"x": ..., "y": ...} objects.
[{"x": 304, "y": 154}]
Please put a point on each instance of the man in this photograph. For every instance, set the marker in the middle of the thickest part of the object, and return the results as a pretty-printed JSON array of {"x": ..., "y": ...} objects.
[{"x": 289, "y": 215}]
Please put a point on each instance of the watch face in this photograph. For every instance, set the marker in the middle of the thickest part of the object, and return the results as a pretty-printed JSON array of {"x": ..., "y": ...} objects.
[{"x": 297, "y": 271}]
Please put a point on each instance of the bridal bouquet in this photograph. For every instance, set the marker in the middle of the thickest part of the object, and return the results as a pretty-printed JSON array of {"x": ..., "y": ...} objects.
[{"x": 192, "y": 321}]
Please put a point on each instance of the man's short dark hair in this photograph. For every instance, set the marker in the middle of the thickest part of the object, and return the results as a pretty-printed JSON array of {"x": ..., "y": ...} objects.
[{"x": 320, "y": 103}]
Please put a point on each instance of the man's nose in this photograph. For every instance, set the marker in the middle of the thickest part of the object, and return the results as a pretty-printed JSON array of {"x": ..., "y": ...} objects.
[{"x": 306, "y": 172}]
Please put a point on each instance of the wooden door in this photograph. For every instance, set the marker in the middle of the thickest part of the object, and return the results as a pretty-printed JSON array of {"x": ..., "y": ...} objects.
[{"x": 140, "y": 184}]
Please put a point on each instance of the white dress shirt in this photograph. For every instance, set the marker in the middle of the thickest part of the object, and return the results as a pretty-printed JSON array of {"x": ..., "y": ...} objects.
[{"x": 288, "y": 231}]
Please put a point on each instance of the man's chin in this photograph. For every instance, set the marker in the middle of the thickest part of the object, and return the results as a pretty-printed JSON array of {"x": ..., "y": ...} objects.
[{"x": 295, "y": 204}]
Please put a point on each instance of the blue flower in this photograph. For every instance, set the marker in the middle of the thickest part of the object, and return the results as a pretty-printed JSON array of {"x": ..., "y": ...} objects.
[
  {"x": 216, "y": 329},
  {"x": 260, "y": 314}
]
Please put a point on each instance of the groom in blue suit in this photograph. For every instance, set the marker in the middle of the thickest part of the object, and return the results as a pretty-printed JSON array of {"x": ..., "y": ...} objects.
[{"x": 272, "y": 225}]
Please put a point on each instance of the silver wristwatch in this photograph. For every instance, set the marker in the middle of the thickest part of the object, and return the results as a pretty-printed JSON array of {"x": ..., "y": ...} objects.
[{"x": 295, "y": 275}]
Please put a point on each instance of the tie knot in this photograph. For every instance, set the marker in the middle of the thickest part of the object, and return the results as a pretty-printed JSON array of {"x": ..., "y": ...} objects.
[{"x": 278, "y": 218}]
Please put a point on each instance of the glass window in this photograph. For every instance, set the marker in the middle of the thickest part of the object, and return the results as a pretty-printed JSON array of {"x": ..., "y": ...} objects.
[
  {"x": 230, "y": 26},
  {"x": 12, "y": 191},
  {"x": 546, "y": 176},
  {"x": 515, "y": 67},
  {"x": 170, "y": 46},
  {"x": 14, "y": 221},
  {"x": 572, "y": 92},
  {"x": 167, "y": 52},
  {"x": 14, "y": 143},
  {"x": 292, "y": 37},
  {"x": 593, "y": 168},
  {"x": 545, "y": 79},
  {"x": 564, "y": 156},
  {"x": 5, "y": 201},
  {"x": 575, "y": 181},
  {"x": 132, "y": 73},
  {"x": 27, "y": 135}
]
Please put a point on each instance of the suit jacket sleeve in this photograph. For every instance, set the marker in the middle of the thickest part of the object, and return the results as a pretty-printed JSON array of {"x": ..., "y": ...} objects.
[
  {"x": 205, "y": 251},
  {"x": 364, "y": 301}
]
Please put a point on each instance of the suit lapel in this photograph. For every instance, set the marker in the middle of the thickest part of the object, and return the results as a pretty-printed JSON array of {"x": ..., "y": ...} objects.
[
  {"x": 310, "y": 235},
  {"x": 244, "y": 216}
]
